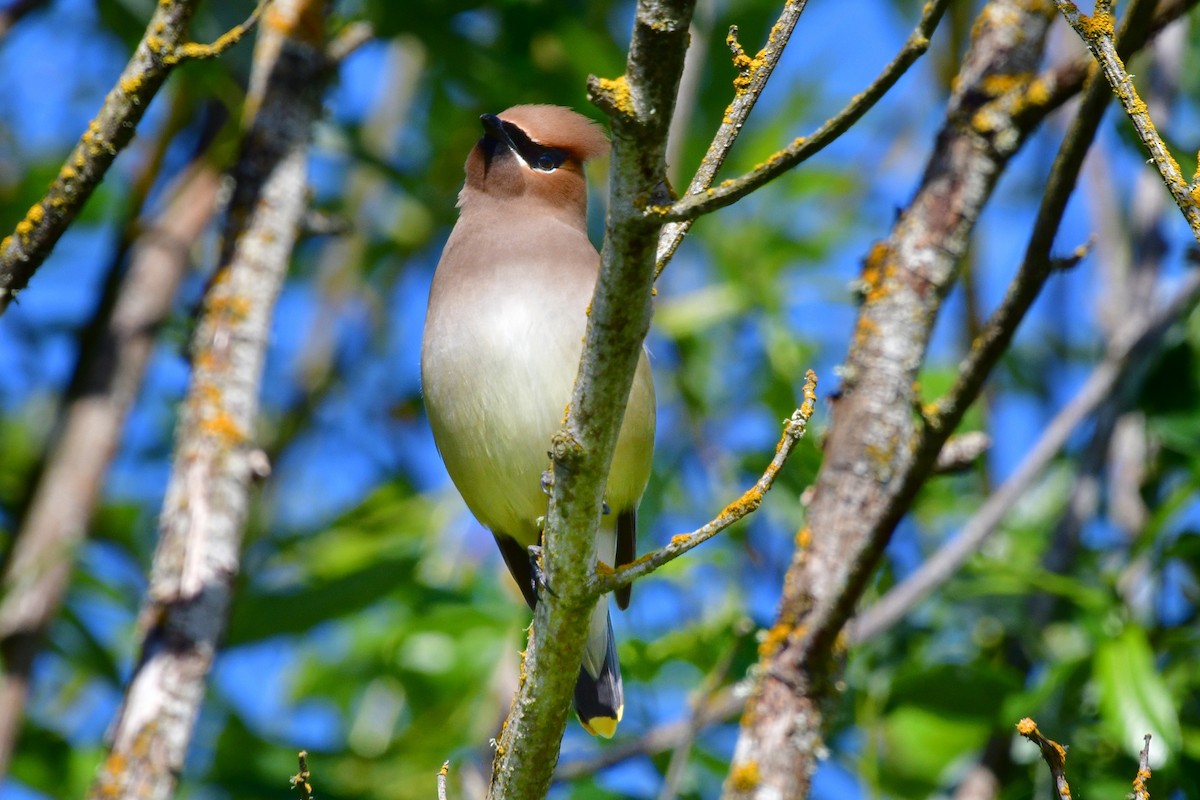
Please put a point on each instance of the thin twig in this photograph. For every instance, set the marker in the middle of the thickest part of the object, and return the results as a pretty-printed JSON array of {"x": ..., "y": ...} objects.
[
  {"x": 1097, "y": 33},
  {"x": 195, "y": 51},
  {"x": 1140, "y": 792},
  {"x": 748, "y": 85},
  {"x": 961, "y": 452},
  {"x": 348, "y": 40},
  {"x": 162, "y": 47},
  {"x": 691, "y": 206},
  {"x": 1053, "y": 753},
  {"x": 301, "y": 779},
  {"x": 443, "y": 773},
  {"x": 1130, "y": 348},
  {"x": 793, "y": 429}
]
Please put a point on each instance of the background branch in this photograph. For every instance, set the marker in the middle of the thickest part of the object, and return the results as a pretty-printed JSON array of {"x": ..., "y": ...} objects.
[
  {"x": 1132, "y": 350},
  {"x": 37, "y": 571},
  {"x": 205, "y": 510},
  {"x": 161, "y": 48}
]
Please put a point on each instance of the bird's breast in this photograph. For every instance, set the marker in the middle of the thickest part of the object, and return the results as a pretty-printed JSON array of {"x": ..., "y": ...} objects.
[{"x": 499, "y": 358}]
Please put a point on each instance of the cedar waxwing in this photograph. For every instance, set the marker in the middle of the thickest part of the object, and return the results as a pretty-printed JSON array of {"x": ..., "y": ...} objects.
[{"x": 503, "y": 339}]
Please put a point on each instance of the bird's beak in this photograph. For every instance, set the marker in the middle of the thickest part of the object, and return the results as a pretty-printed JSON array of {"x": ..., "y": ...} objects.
[{"x": 493, "y": 128}]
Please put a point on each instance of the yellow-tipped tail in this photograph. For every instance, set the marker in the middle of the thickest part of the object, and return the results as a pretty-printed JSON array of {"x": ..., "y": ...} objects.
[{"x": 603, "y": 727}]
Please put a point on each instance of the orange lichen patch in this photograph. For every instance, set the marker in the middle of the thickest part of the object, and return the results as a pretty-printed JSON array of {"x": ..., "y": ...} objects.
[
  {"x": 996, "y": 85},
  {"x": 603, "y": 569},
  {"x": 1027, "y": 727},
  {"x": 617, "y": 92},
  {"x": 804, "y": 538},
  {"x": 745, "y": 777},
  {"x": 864, "y": 330},
  {"x": 223, "y": 426},
  {"x": 233, "y": 307},
  {"x": 1096, "y": 27},
  {"x": 129, "y": 85},
  {"x": 875, "y": 270},
  {"x": 33, "y": 218},
  {"x": 774, "y": 639},
  {"x": 680, "y": 539},
  {"x": 1037, "y": 92}
]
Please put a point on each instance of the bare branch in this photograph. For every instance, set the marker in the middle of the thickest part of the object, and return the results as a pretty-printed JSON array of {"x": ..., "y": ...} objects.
[
  {"x": 162, "y": 47},
  {"x": 961, "y": 451},
  {"x": 794, "y": 428},
  {"x": 1097, "y": 33},
  {"x": 38, "y": 569},
  {"x": 752, "y": 79},
  {"x": 301, "y": 779},
  {"x": 1053, "y": 754},
  {"x": 204, "y": 513},
  {"x": 1130, "y": 350},
  {"x": 443, "y": 773},
  {"x": 696, "y": 204},
  {"x": 1140, "y": 792}
]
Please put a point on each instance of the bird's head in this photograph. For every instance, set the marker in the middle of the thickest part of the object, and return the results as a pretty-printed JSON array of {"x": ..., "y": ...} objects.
[{"x": 534, "y": 152}]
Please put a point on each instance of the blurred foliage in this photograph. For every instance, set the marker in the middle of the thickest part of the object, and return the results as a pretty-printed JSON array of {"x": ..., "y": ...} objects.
[{"x": 375, "y": 626}]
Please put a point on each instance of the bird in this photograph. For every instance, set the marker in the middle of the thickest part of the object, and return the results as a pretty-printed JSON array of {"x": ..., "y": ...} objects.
[{"x": 500, "y": 352}]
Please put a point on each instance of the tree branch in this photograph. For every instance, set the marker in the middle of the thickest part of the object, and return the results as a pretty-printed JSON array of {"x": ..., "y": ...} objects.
[
  {"x": 753, "y": 74},
  {"x": 207, "y": 500},
  {"x": 794, "y": 428},
  {"x": 640, "y": 104},
  {"x": 1097, "y": 33},
  {"x": 1053, "y": 754},
  {"x": 867, "y": 476},
  {"x": 162, "y": 47},
  {"x": 1140, "y": 792},
  {"x": 38, "y": 570},
  {"x": 1131, "y": 348},
  {"x": 703, "y": 201}
]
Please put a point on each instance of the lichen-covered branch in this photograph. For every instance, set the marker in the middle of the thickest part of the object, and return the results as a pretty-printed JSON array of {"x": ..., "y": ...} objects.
[
  {"x": 1053, "y": 753},
  {"x": 639, "y": 104},
  {"x": 1140, "y": 792},
  {"x": 1098, "y": 34},
  {"x": 163, "y": 46},
  {"x": 37, "y": 572},
  {"x": 196, "y": 561},
  {"x": 698, "y": 203},
  {"x": 857, "y": 498},
  {"x": 876, "y": 456},
  {"x": 1131, "y": 348},
  {"x": 794, "y": 429},
  {"x": 753, "y": 74}
]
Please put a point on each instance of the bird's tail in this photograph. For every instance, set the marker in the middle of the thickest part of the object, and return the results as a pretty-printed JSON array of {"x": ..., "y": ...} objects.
[{"x": 599, "y": 696}]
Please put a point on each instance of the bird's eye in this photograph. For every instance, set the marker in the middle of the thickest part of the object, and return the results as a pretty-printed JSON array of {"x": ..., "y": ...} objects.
[{"x": 548, "y": 160}]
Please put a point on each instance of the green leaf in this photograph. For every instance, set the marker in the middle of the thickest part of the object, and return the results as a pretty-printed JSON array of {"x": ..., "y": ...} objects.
[{"x": 1134, "y": 699}]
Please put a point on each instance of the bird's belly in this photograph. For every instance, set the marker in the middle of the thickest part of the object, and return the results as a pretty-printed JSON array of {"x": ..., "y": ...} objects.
[{"x": 497, "y": 387}]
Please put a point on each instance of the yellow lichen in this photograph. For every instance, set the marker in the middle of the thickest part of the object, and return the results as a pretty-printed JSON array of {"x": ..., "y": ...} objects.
[
  {"x": 1096, "y": 27},
  {"x": 616, "y": 90},
  {"x": 774, "y": 639},
  {"x": 745, "y": 777}
]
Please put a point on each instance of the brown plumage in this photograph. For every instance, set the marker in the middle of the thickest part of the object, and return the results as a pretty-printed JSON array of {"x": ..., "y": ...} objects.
[{"x": 503, "y": 339}]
